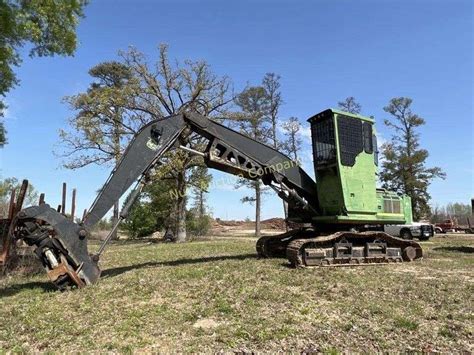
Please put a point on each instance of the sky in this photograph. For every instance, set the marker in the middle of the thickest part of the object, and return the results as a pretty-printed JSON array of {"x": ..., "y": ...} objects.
[{"x": 324, "y": 51}]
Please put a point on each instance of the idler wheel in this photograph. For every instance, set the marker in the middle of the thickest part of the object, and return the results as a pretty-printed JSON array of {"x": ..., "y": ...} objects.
[{"x": 409, "y": 253}]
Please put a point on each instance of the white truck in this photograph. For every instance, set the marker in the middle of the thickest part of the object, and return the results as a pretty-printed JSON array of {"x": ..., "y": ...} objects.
[{"x": 422, "y": 231}]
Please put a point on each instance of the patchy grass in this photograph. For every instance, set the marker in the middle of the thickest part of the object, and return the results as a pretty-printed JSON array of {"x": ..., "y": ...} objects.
[{"x": 216, "y": 295}]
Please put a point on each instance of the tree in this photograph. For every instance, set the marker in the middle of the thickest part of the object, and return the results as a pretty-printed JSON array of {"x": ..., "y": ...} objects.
[
  {"x": 458, "y": 211},
  {"x": 404, "y": 168},
  {"x": 349, "y": 105},
  {"x": 7, "y": 186},
  {"x": 200, "y": 187},
  {"x": 198, "y": 219},
  {"x": 271, "y": 84},
  {"x": 253, "y": 122},
  {"x": 48, "y": 26},
  {"x": 152, "y": 211},
  {"x": 102, "y": 127},
  {"x": 167, "y": 89},
  {"x": 292, "y": 144}
]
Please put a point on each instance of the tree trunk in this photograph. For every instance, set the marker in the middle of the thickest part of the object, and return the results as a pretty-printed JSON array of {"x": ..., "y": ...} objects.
[
  {"x": 201, "y": 203},
  {"x": 257, "y": 209},
  {"x": 117, "y": 153},
  {"x": 181, "y": 209}
]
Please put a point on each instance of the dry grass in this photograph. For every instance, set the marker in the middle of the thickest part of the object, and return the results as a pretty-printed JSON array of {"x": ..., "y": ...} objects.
[{"x": 216, "y": 295}]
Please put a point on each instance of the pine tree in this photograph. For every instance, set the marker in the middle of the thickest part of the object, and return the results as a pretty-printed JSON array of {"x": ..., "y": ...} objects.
[
  {"x": 404, "y": 167},
  {"x": 253, "y": 122},
  {"x": 271, "y": 84},
  {"x": 349, "y": 105}
]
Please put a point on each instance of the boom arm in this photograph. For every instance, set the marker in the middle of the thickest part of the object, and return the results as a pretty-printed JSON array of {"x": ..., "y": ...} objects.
[{"x": 227, "y": 151}]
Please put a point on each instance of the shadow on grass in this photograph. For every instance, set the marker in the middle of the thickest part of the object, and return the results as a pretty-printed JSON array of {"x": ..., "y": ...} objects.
[
  {"x": 461, "y": 249},
  {"x": 120, "y": 270},
  {"x": 45, "y": 286},
  {"x": 49, "y": 287}
]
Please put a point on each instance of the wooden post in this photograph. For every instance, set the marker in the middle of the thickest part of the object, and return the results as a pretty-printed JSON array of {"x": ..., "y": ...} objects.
[
  {"x": 63, "y": 205},
  {"x": 73, "y": 204}
]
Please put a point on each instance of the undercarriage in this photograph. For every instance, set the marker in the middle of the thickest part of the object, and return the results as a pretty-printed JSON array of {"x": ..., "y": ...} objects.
[{"x": 304, "y": 248}]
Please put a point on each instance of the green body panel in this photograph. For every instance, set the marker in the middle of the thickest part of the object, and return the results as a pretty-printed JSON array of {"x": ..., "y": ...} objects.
[{"x": 344, "y": 152}]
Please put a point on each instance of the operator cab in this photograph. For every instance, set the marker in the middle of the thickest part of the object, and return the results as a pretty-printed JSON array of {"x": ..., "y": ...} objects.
[{"x": 345, "y": 159}]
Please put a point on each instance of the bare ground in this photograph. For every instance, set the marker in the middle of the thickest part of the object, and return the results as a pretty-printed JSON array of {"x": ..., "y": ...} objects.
[{"x": 215, "y": 295}]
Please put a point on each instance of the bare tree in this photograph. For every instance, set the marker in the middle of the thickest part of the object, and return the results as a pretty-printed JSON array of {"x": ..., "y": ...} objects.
[
  {"x": 167, "y": 89},
  {"x": 271, "y": 84},
  {"x": 292, "y": 144},
  {"x": 108, "y": 111}
]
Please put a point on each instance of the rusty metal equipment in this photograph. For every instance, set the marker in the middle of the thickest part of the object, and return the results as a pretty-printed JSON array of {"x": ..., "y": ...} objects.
[
  {"x": 9, "y": 228},
  {"x": 343, "y": 213}
]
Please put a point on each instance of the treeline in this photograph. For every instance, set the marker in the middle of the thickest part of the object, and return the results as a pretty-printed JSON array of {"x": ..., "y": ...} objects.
[{"x": 457, "y": 211}]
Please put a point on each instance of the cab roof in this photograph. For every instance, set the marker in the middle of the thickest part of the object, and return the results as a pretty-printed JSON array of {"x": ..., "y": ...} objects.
[{"x": 339, "y": 112}]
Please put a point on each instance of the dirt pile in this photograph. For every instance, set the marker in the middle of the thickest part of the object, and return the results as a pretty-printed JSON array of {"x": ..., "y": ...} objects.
[
  {"x": 274, "y": 223},
  {"x": 271, "y": 223}
]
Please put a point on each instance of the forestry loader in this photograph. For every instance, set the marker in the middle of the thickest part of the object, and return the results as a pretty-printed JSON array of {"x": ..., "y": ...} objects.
[{"x": 341, "y": 215}]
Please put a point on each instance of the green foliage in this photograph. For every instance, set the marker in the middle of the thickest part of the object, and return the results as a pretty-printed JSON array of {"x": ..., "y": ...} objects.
[
  {"x": 3, "y": 134},
  {"x": 198, "y": 225},
  {"x": 349, "y": 105},
  {"x": 141, "y": 221},
  {"x": 253, "y": 120},
  {"x": 47, "y": 25},
  {"x": 405, "y": 323},
  {"x": 457, "y": 211},
  {"x": 102, "y": 126},
  {"x": 404, "y": 167},
  {"x": 152, "y": 212}
]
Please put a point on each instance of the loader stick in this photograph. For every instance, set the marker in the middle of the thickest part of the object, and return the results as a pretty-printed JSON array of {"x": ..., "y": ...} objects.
[{"x": 123, "y": 214}]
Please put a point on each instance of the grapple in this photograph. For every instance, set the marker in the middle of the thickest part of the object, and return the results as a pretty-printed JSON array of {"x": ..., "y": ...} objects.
[{"x": 60, "y": 244}]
